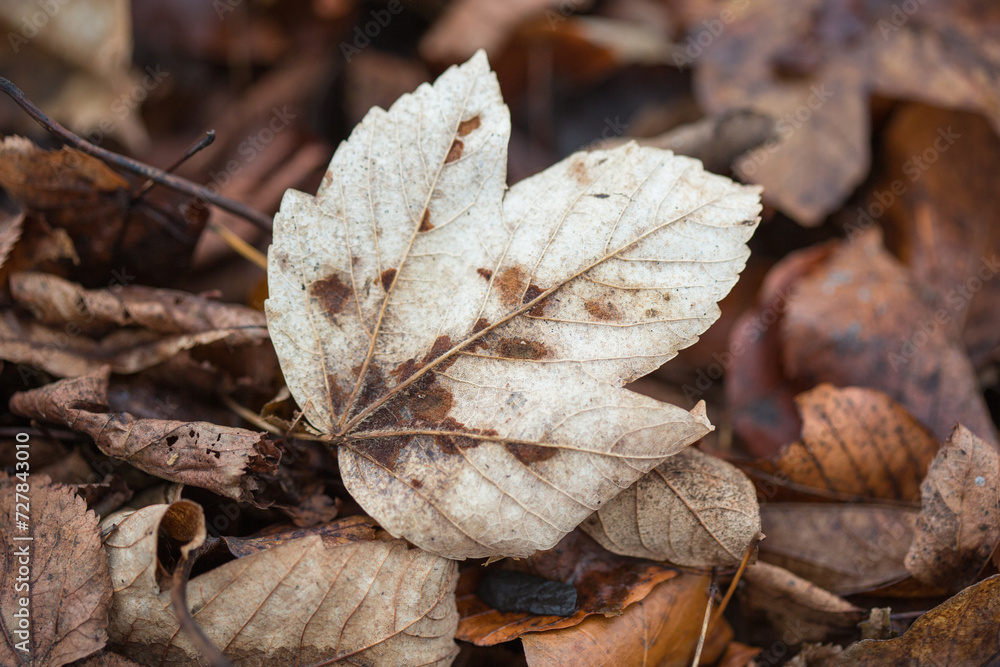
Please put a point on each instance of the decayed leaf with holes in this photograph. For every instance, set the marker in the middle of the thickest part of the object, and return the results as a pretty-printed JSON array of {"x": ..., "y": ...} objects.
[
  {"x": 306, "y": 600},
  {"x": 693, "y": 509},
  {"x": 465, "y": 349},
  {"x": 959, "y": 523},
  {"x": 231, "y": 462}
]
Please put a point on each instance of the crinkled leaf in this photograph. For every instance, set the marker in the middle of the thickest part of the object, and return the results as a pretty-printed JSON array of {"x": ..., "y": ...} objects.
[{"x": 465, "y": 348}]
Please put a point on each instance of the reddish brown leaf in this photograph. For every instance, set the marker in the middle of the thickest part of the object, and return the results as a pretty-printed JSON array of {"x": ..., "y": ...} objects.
[
  {"x": 857, "y": 444},
  {"x": 662, "y": 629},
  {"x": 959, "y": 523},
  {"x": 960, "y": 631},
  {"x": 68, "y": 585},
  {"x": 859, "y": 320},
  {"x": 232, "y": 462},
  {"x": 605, "y": 584}
]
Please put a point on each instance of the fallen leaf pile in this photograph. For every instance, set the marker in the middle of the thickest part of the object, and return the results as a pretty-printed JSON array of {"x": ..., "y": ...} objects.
[{"x": 617, "y": 333}]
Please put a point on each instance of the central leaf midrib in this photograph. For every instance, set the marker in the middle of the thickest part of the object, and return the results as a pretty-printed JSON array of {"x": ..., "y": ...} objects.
[{"x": 431, "y": 365}]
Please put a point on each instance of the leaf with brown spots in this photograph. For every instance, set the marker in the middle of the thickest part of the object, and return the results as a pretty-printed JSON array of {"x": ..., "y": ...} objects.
[
  {"x": 477, "y": 402},
  {"x": 959, "y": 524}
]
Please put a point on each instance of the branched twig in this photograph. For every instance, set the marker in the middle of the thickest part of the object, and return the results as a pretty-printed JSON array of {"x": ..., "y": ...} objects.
[{"x": 158, "y": 175}]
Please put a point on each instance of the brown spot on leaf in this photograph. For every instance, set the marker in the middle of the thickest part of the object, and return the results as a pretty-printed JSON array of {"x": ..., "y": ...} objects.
[
  {"x": 441, "y": 345},
  {"x": 405, "y": 370},
  {"x": 578, "y": 170},
  {"x": 530, "y": 453},
  {"x": 332, "y": 294},
  {"x": 480, "y": 324},
  {"x": 508, "y": 285},
  {"x": 519, "y": 348},
  {"x": 338, "y": 397},
  {"x": 387, "y": 277},
  {"x": 431, "y": 404},
  {"x": 416, "y": 483},
  {"x": 385, "y": 451},
  {"x": 455, "y": 151},
  {"x": 373, "y": 387},
  {"x": 532, "y": 293},
  {"x": 485, "y": 273},
  {"x": 425, "y": 221},
  {"x": 467, "y": 126},
  {"x": 602, "y": 310}
]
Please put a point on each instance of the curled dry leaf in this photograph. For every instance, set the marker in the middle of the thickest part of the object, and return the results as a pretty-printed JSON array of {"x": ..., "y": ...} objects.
[
  {"x": 367, "y": 602},
  {"x": 662, "y": 629},
  {"x": 231, "y": 462},
  {"x": 858, "y": 319},
  {"x": 871, "y": 542},
  {"x": 959, "y": 523},
  {"x": 960, "y": 631},
  {"x": 68, "y": 586},
  {"x": 605, "y": 583},
  {"x": 857, "y": 444},
  {"x": 161, "y": 324},
  {"x": 795, "y": 607},
  {"x": 11, "y": 225},
  {"x": 465, "y": 348},
  {"x": 107, "y": 659},
  {"x": 693, "y": 510}
]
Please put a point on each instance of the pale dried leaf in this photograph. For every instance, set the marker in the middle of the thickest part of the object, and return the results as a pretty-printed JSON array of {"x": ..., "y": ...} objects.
[
  {"x": 693, "y": 510},
  {"x": 466, "y": 349},
  {"x": 367, "y": 602},
  {"x": 68, "y": 585},
  {"x": 231, "y": 462},
  {"x": 959, "y": 523},
  {"x": 11, "y": 225}
]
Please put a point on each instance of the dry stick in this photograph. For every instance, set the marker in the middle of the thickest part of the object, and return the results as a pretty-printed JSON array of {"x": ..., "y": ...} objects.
[
  {"x": 178, "y": 598},
  {"x": 201, "y": 144},
  {"x": 712, "y": 591},
  {"x": 736, "y": 579},
  {"x": 158, "y": 175}
]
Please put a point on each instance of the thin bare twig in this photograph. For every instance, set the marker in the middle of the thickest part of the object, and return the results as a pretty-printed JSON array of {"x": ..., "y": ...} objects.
[
  {"x": 158, "y": 175},
  {"x": 178, "y": 599},
  {"x": 712, "y": 591},
  {"x": 736, "y": 578}
]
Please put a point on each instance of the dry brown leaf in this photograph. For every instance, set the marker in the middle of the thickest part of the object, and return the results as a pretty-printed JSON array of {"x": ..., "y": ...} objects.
[
  {"x": 693, "y": 510},
  {"x": 813, "y": 65},
  {"x": 849, "y": 322},
  {"x": 465, "y": 348},
  {"x": 959, "y": 523},
  {"x": 662, "y": 629},
  {"x": 67, "y": 588},
  {"x": 367, "y": 602},
  {"x": 344, "y": 531},
  {"x": 843, "y": 548},
  {"x": 11, "y": 225},
  {"x": 231, "y": 462},
  {"x": 469, "y": 25},
  {"x": 151, "y": 237},
  {"x": 606, "y": 584},
  {"x": 943, "y": 217},
  {"x": 795, "y": 607},
  {"x": 857, "y": 444},
  {"x": 964, "y": 630},
  {"x": 107, "y": 659}
]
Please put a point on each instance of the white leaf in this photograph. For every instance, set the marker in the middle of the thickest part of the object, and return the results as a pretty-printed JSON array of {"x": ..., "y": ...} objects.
[{"x": 466, "y": 349}]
